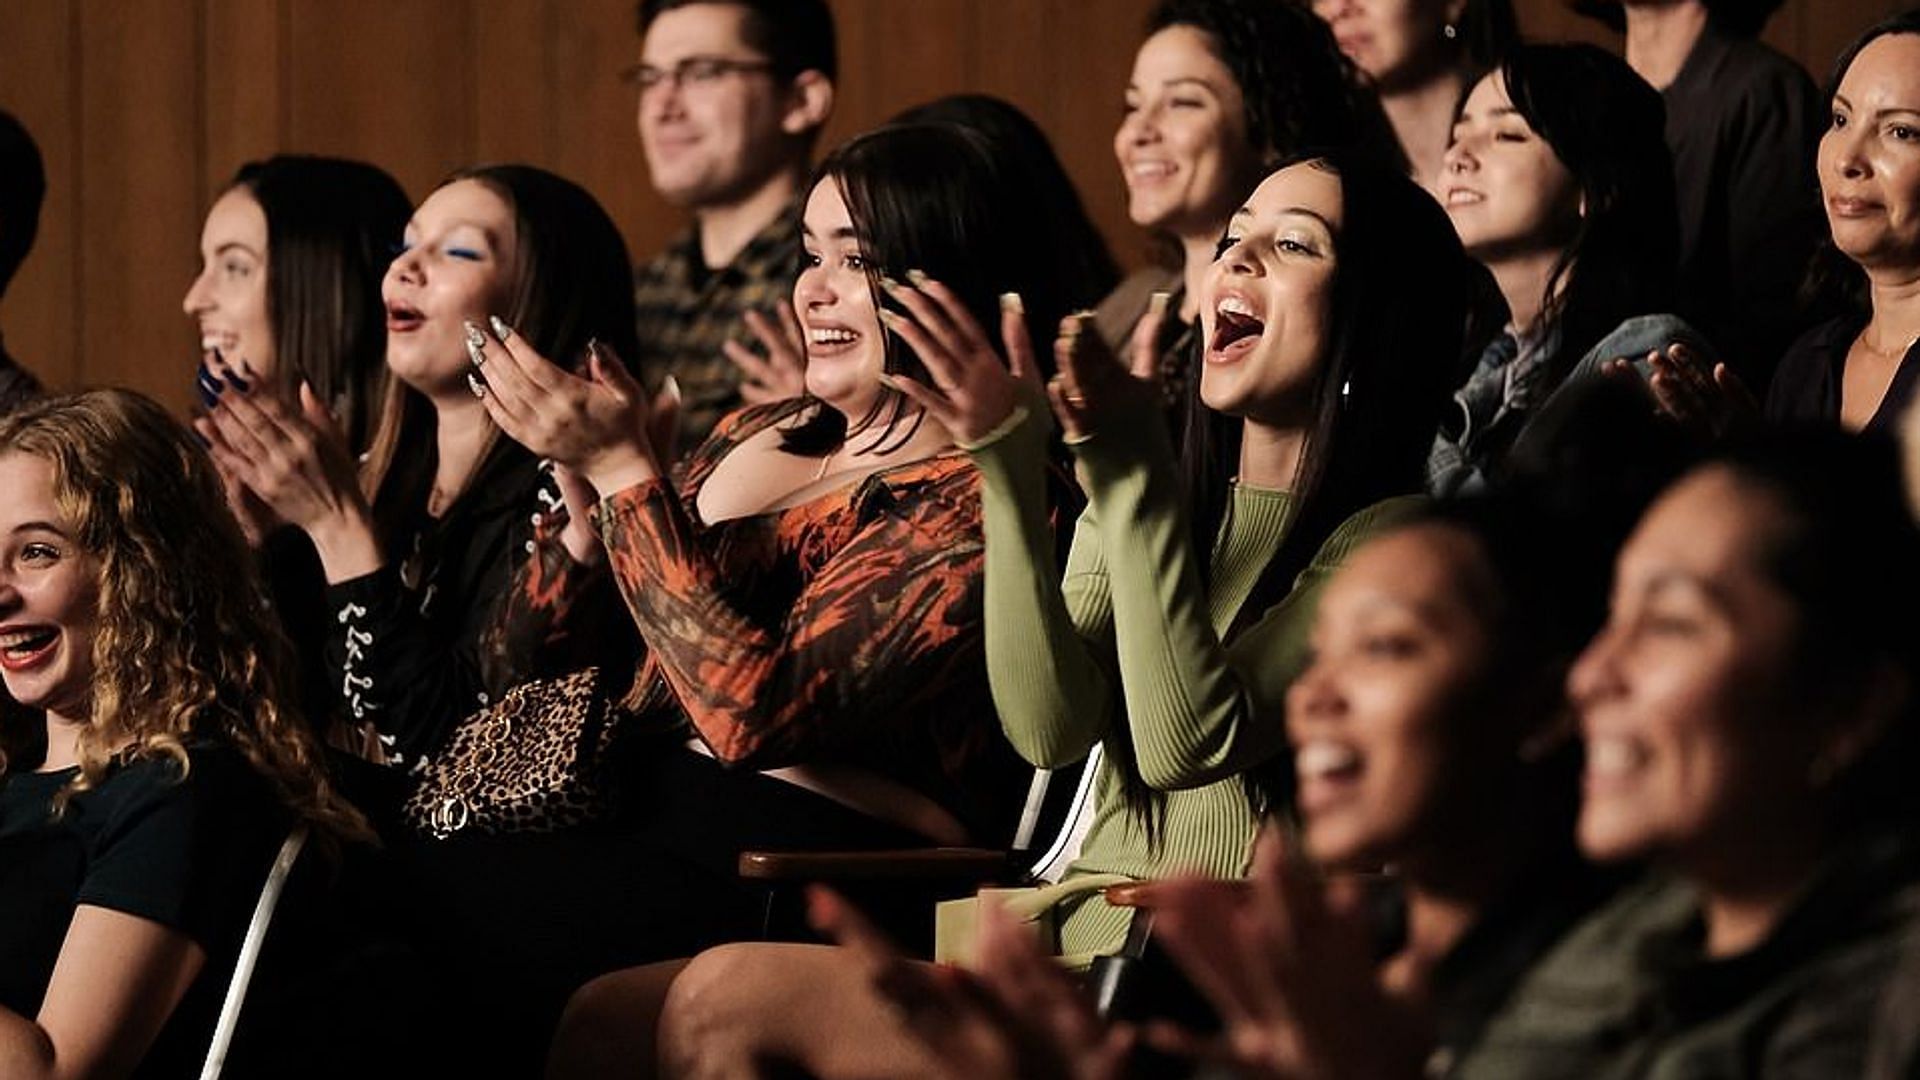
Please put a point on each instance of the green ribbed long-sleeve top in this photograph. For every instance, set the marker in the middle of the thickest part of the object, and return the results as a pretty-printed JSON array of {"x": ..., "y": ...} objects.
[{"x": 1131, "y": 613}]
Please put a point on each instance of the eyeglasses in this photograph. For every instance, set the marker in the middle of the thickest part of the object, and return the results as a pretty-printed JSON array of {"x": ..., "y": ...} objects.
[{"x": 694, "y": 71}]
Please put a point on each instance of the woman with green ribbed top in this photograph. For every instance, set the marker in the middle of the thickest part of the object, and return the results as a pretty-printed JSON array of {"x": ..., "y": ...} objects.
[{"x": 1331, "y": 323}]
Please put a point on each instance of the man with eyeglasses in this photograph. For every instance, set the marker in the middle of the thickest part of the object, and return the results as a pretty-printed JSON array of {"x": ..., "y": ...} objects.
[{"x": 732, "y": 96}]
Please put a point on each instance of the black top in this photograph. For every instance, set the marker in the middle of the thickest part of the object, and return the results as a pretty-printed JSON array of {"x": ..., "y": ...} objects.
[
  {"x": 407, "y": 649},
  {"x": 1743, "y": 123},
  {"x": 1806, "y": 389},
  {"x": 190, "y": 854}
]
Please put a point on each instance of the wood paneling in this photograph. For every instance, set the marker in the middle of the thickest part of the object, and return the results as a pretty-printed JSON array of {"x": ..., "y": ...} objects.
[{"x": 143, "y": 108}]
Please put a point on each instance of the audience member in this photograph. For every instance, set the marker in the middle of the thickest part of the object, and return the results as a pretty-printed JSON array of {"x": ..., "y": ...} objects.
[
  {"x": 1860, "y": 367},
  {"x": 1421, "y": 57},
  {"x": 171, "y": 764},
  {"x": 1742, "y": 121},
  {"x": 732, "y": 95},
  {"x": 291, "y": 259},
  {"x": 23, "y": 187},
  {"x": 1747, "y": 713},
  {"x": 1050, "y": 212},
  {"x": 1559, "y": 184}
]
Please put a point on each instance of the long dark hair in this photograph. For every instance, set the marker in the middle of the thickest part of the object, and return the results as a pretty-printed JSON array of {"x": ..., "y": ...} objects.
[
  {"x": 571, "y": 284},
  {"x": 331, "y": 229},
  {"x": 1398, "y": 305},
  {"x": 1608, "y": 127},
  {"x": 930, "y": 197}
]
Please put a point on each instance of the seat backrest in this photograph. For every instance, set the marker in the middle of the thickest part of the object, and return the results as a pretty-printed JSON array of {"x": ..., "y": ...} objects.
[
  {"x": 1076, "y": 819},
  {"x": 250, "y": 952}
]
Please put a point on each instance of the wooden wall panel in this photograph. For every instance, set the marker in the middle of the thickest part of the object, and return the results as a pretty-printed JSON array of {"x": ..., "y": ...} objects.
[
  {"x": 140, "y": 138},
  {"x": 143, "y": 108},
  {"x": 39, "y": 83}
]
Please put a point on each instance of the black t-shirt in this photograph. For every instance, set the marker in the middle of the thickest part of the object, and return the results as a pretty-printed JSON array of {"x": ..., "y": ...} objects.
[{"x": 189, "y": 853}]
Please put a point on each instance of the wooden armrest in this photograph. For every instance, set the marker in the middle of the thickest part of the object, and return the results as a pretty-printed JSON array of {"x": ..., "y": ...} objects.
[{"x": 934, "y": 864}]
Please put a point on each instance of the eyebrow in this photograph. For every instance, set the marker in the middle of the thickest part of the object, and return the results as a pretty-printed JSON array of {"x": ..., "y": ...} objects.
[
  {"x": 39, "y": 526},
  {"x": 1715, "y": 595},
  {"x": 493, "y": 238},
  {"x": 1908, "y": 109},
  {"x": 1491, "y": 114},
  {"x": 1195, "y": 80},
  {"x": 844, "y": 232},
  {"x": 235, "y": 245}
]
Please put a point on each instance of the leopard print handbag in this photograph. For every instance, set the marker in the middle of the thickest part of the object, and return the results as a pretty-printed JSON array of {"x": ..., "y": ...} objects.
[{"x": 532, "y": 762}]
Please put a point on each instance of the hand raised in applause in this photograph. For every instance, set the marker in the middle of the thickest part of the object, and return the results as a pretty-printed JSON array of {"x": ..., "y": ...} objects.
[
  {"x": 782, "y": 372},
  {"x": 971, "y": 391},
  {"x": 1285, "y": 961},
  {"x": 1093, "y": 387},
  {"x": 1019, "y": 1015},
  {"x": 600, "y": 423},
  {"x": 296, "y": 463}
]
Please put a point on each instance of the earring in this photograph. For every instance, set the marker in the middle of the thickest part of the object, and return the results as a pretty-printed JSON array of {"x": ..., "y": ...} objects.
[{"x": 1450, "y": 32}]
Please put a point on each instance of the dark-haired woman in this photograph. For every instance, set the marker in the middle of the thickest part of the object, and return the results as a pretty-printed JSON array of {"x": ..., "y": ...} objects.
[
  {"x": 291, "y": 260},
  {"x": 1049, "y": 212},
  {"x": 1748, "y": 714},
  {"x": 1860, "y": 369},
  {"x": 419, "y": 539},
  {"x": 1421, "y": 57},
  {"x": 1220, "y": 90},
  {"x": 1559, "y": 183}
]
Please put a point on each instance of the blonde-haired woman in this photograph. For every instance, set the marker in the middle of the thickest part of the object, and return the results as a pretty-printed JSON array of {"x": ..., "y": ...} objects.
[{"x": 137, "y": 824}]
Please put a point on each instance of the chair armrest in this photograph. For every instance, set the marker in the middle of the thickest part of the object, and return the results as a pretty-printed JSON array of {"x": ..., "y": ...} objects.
[{"x": 924, "y": 864}]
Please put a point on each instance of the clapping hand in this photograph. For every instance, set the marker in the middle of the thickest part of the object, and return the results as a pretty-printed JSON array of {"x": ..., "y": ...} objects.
[
  {"x": 1019, "y": 1015},
  {"x": 1092, "y": 386},
  {"x": 973, "y": 392},
  {"x": 1287, "y": 964},
  {"x": 1710, "y": 405},
  {"x": 782, "y": 372},
  {"x": 600, "y": 424}
]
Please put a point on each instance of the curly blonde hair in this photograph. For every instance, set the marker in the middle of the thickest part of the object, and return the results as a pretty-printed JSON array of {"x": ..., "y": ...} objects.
[{"x": 184, "y": 646}]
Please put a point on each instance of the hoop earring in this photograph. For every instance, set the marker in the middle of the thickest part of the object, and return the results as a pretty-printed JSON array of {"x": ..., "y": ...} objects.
[{"x": 1450, "y": 32}]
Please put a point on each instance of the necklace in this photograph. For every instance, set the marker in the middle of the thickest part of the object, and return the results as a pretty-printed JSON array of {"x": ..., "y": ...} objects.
[{"x": 1887, "y": 353}]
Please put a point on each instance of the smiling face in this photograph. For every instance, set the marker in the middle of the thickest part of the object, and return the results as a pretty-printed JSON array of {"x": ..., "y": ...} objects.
[
  {"x": 229, "y": 298},
  {"x": 1182, "y": 144},
  {"x": 1384, "y": 748},
  {"x": 1506, "y": 191},
  {"x": 48, "y": 595},
  {"x": 1395, "y": 42},
  {"x": 1265, "y": 301},
  {"x": 715, "y": 138},
  {"x": 457, "y": 264},
  {"x": 1694, "y": 743},
  {"x": 846, "y": 349},
  {"x": 1869, "y": 158}
]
